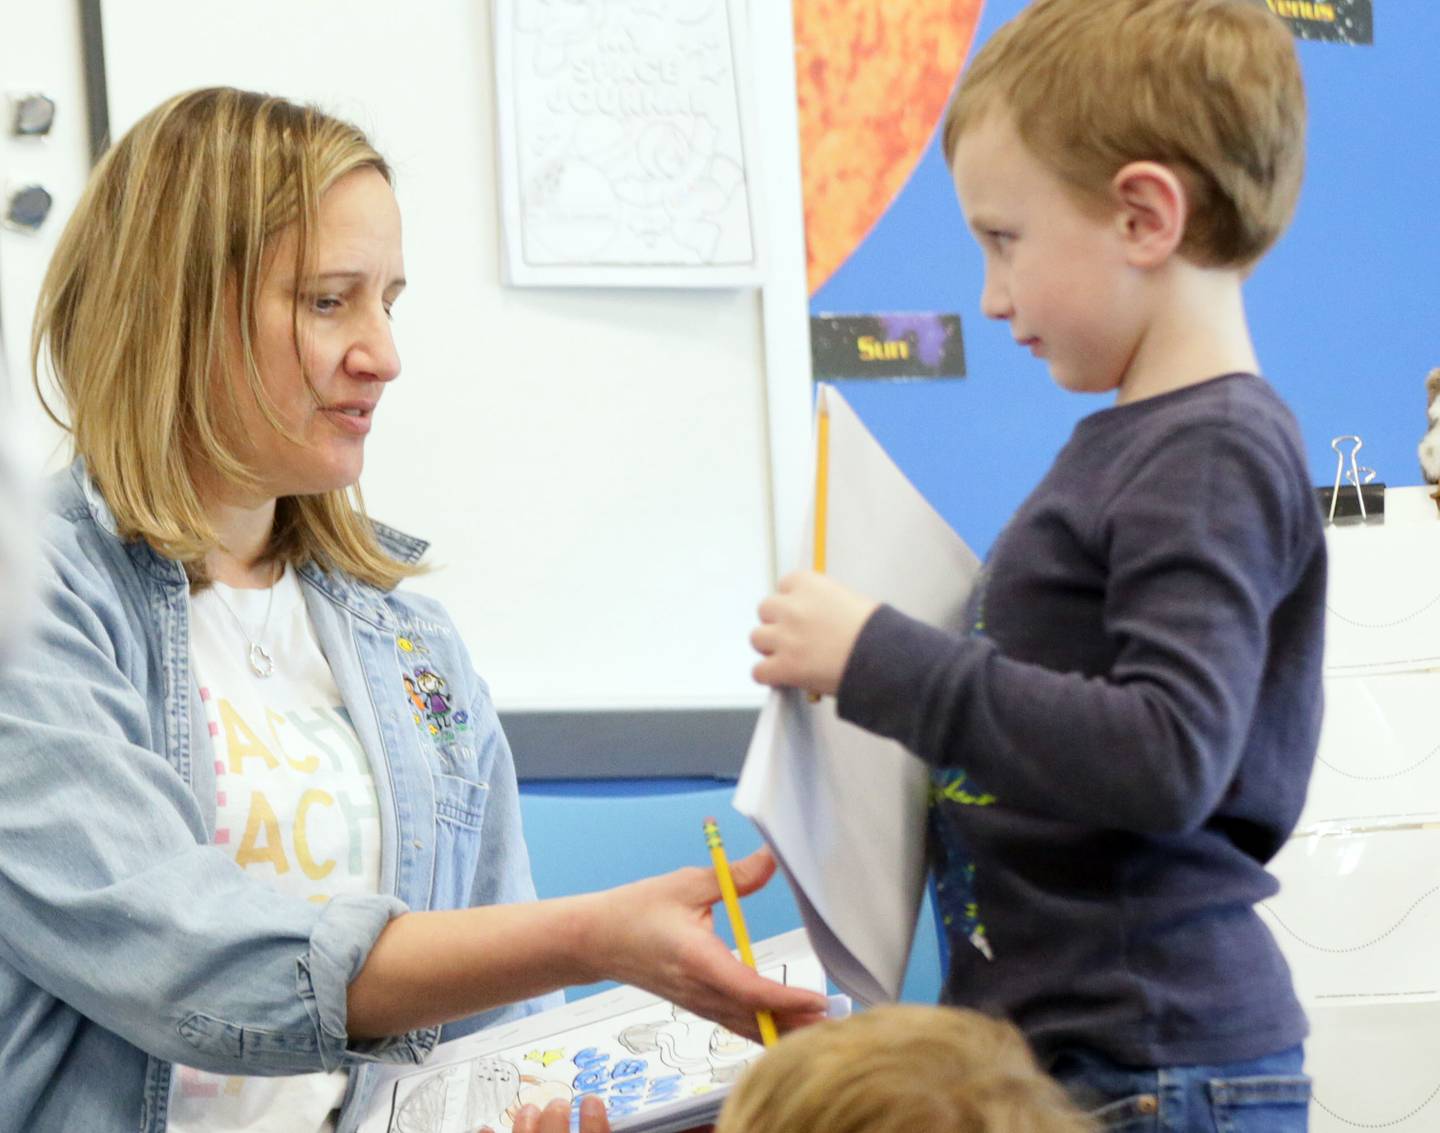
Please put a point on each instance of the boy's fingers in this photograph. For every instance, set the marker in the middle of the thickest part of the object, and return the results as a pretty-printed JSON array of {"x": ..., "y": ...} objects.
[
  {"x": 753, "y": 870},
  {"x": 556, "y": 1119},
  {"x": 593, "y": 1118}
]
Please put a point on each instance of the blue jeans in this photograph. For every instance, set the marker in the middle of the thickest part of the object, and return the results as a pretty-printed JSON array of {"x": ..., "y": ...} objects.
[{"x": 1264, "y": 1095}]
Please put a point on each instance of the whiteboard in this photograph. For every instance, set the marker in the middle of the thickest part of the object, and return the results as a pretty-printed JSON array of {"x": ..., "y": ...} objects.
[{"x": 593, "y": 467}]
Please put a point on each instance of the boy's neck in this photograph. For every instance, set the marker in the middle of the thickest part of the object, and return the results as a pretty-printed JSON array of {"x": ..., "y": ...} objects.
[{"x": 1196, "y": 331}]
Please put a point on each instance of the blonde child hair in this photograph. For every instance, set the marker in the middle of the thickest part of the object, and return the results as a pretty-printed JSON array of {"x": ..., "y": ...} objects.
[
  {"x": 899, "y": 1069},
  {"x": 165, "y": 247},
  {"x": 1210, "y": 88}
]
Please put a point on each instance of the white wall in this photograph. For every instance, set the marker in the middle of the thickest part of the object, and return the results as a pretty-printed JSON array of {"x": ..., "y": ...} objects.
[
  {"x": 594, "y": 468},
  {"x": 44, "y": 56}
]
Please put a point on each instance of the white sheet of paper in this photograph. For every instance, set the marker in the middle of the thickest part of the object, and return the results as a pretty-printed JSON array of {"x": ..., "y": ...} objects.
[
  {"x": 1383, "y": 597},
  {"x": 1379, "y": 756},
  {"x": 1358, "y": 914},
  {"x": 844, "y": 810},
  {"x": 1374, "y": 1068},
  {"x": 623, "y": 129},
  {"x": 657, "y": 1067}
]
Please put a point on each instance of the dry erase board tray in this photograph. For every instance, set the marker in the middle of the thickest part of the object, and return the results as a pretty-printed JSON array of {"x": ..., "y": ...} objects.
[
  {"x": 1383, "y": 601},
  {"x": 1358, "y": 914},
  {"x": 1374, "y": 1068},
  {"x": 1379, "y": 755}
]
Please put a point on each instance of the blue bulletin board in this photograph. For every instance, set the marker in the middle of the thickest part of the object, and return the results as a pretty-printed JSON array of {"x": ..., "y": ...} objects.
[{"x": 1345, "y": 311}]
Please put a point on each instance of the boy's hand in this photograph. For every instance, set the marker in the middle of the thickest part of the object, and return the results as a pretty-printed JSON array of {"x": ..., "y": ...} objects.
[
  {"x": 808, "y": 628},
  {"x": 556, "y": 1118}
]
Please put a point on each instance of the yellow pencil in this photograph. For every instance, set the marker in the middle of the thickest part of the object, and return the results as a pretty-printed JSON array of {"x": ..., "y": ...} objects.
[
  {"x": 737, "y": 920},
  {"x": 822, "y": 486},
  {"x": 822, "y": 497}
]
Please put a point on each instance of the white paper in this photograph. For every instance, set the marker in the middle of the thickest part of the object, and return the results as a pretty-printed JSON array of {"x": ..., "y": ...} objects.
[
  {"x": 1358, "y": 915},
  {"x": 623, "y": 128},
  {"x": 657, "y": 1066},
  {"x": 1383, "y": 599},
  {"x": 844, "y": 810},
  {"x": 1374, "y": 1068},
  {"x": 1379, "y": 755}
]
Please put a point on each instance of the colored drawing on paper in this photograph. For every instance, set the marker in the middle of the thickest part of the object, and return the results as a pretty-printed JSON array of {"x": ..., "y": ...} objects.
[{"x": 631, "y": 1050}]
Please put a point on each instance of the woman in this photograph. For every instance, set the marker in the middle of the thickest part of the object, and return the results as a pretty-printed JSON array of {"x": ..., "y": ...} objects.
[{"x": 238, "y": 862}]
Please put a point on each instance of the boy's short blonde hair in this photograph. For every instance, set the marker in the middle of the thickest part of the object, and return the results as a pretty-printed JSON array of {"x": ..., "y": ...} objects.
[
  {"x": 899, "y": 1069},
  {"x": 1210, "y": 88}
]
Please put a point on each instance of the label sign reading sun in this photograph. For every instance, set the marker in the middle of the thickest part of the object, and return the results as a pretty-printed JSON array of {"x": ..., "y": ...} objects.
[
  {"x": 898, "y": 345},
  {"x": 1337, "y": 21}
]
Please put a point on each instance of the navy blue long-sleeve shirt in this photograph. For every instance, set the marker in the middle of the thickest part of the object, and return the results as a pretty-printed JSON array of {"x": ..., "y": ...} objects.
[{"x": 1124, "y": 739}]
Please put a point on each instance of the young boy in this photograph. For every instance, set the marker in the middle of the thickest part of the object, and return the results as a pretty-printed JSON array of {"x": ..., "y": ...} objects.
[
  {"x": 1124, "y": 739},
  {"x": 900, "y": 1069}
]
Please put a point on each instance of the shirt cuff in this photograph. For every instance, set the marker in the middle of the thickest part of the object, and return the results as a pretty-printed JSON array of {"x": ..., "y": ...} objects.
[{"x": 339, "y": 946}]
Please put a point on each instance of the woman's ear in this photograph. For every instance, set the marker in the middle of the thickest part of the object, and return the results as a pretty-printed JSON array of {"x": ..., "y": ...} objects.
[{"x": 1152, "y": 210}]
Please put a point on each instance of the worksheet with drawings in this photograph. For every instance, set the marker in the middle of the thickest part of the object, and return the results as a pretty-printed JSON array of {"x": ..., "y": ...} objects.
[
  {"x": 1379, "y": 756},
  {"x": 1358, "y": 914},
  {"x": 1374, "y": 1068},
  {"x": 1383, "y": 601},
  {"x": 591, "y": 466}
]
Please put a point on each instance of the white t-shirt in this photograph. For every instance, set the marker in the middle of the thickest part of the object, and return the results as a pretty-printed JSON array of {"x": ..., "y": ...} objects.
[{"x": 295, "y": 806}]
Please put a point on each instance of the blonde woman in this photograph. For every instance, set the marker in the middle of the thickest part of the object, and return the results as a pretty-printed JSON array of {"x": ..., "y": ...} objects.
[{"x": 238, "y": 862}]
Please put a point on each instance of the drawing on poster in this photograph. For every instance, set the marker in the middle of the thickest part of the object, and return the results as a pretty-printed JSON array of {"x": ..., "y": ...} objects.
[
  {"x": 622, "y": 140},
  {"x": 644, "y": 1055}
]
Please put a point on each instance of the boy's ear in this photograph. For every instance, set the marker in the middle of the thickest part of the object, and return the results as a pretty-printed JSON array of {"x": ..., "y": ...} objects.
[{"x": 1153, "y": 208}]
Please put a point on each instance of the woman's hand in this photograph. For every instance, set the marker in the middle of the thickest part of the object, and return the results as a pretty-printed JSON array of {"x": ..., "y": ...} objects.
[
  {"x": 659, "y": 934},
  {"x": 807, "y": 630}
]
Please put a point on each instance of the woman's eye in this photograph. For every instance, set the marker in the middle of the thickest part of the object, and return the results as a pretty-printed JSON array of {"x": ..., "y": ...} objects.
[{"x": 324, "y": 304}]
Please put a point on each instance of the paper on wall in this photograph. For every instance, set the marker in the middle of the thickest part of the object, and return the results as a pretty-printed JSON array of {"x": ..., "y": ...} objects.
[
  {"x": 1358, "y": 914},
  {"x": 844, "y": 810}
]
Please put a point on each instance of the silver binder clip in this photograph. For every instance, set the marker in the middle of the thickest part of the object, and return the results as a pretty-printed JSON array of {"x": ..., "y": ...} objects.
[{"x": 1353, "y": 476}]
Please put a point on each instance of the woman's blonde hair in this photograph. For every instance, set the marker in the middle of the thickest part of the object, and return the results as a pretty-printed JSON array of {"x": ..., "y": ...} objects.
[
  {"x": 1210, "y": 88},
  {"x": 897, "y": 1069},
  {"x": 168, "y": 238}
]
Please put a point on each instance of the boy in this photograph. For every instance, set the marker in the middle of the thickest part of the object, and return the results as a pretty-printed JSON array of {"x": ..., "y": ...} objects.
[
  {"x": 900, "y": 1069},
  {"x": 1124, "y": 738}
]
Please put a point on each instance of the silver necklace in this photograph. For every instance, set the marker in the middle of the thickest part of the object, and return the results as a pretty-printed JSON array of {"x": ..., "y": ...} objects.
[{"x": 262, "y": 664}]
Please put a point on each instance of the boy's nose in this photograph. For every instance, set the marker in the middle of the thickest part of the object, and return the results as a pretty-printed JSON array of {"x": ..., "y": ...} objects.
[{"x": 994, "y": 300}]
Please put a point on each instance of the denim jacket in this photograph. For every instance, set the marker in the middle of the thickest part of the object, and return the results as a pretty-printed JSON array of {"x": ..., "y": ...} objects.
[{"x": 127, "y": 941}]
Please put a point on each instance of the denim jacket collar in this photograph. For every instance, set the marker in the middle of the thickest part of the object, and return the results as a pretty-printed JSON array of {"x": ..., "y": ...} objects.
[{"x": 360, "y": 598}]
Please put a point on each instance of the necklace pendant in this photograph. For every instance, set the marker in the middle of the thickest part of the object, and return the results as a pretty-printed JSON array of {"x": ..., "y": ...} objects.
[{"x": 261, "y": 663}]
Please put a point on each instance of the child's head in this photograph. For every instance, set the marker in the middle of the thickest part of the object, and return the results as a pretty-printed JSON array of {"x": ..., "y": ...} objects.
[
  {"x": 1209, "y": 88},
  {"x": 898, "y": 1069}
]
